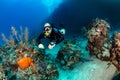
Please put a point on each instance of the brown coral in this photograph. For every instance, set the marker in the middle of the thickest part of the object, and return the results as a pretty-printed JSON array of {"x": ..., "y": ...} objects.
[
  {"x": 115, "y": 51},
  {"x": 68, "y": 55},
  {"x": 98, "y": 39}
]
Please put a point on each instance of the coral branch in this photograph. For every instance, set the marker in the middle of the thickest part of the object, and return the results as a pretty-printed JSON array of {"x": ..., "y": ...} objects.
[
  {"x": 14, "y": 32},
  {"x": 26, "y": 35},
  {"x": 4, "y": 38}
]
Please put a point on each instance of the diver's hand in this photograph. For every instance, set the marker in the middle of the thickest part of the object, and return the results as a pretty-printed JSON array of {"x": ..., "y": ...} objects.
[
  {"x": 51, "y": 45},
  {"x": 41, "y": 46}
]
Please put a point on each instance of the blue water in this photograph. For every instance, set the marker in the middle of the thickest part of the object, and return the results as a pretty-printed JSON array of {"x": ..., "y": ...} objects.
[
  {"x": 72, "y": 13},
  {"x": 26, "y": 13}
]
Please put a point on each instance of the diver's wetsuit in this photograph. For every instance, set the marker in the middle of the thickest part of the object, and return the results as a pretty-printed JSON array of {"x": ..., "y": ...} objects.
[{"x": 55, "y": 36}]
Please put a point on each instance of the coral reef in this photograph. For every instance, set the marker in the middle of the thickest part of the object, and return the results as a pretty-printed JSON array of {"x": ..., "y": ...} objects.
[
  {"x": 2, "y": 74},
  {"x": 98, "y": 39},
  {"x": 23, "y": 60},
  {"x": 69, "y": 55},
  {"x": 115, "y": 51}
]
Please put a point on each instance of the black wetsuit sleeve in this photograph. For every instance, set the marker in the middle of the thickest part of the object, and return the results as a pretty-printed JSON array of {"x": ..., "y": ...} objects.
[
  {"x": 60, "y": 39},
  {"x": 56, "y": 36},
  {"x": 38, "y": 40}
]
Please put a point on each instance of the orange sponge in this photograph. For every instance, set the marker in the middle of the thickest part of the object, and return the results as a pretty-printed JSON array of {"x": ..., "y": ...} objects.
[{"x": 25, "y": 62}]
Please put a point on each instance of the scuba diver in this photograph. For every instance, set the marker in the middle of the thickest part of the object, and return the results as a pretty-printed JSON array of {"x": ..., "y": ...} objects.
[{"x": 54, "y": 35}]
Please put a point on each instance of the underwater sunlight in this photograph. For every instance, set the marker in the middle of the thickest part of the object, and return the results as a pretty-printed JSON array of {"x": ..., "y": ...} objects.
[{"x": 51, "y": 5}]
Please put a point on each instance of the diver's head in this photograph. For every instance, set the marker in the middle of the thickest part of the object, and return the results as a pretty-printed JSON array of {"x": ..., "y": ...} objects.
[
  {"x": 47, "y": 25},
  {"x": 47, "y": 29}
]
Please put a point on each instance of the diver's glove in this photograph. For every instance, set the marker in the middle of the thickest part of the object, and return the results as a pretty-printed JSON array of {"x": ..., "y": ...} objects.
[
  {"x": 51, "y": 45},
  {"x": 41, "y": 46}
]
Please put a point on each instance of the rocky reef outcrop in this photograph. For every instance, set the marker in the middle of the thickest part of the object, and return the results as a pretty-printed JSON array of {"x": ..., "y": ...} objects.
[
  {"x": 68, "y": 55},
  {"x": 98, "y": 39}
]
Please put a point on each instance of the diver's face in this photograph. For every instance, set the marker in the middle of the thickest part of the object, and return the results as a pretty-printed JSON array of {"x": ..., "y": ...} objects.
[{"x": 48, "y": 29}]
